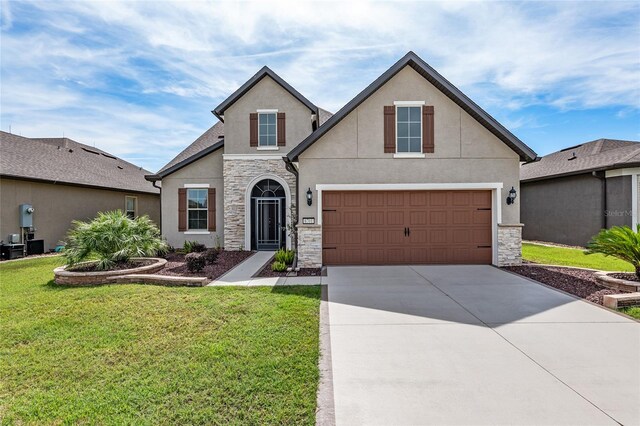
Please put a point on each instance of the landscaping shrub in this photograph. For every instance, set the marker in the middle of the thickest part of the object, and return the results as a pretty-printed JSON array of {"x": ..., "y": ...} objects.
[
  {"x": 278, "y": 266},
  {"x": 195, "y": 261},
  {"x": 211, "y": 255},
  {"x": 193, "y": 247},
  {"x": 113, "y": 238},
  {"x": 285, "y": 256},
  {"x": 619, "y": 241}
]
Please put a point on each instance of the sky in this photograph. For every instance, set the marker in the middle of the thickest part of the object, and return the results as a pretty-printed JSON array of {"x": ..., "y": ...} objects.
[{"x": 139, "y": 78}]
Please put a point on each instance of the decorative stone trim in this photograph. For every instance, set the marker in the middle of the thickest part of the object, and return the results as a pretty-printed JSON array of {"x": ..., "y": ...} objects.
[
  {"x": 615, "y": 301},
  {"x": 309, "y": 246},
  {"x": 616, "y": 283},
  {"x": 510, "y": 244},
  {"x": 64, "y": 277},
  {"x": 238, "y": 174}
]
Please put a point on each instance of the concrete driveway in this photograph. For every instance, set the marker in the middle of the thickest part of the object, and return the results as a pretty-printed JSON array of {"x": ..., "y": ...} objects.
[{"x": 474, "y": 345}]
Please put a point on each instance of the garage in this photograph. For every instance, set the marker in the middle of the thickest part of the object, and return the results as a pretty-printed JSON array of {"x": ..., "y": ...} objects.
[{"x": 406, "y": 227}]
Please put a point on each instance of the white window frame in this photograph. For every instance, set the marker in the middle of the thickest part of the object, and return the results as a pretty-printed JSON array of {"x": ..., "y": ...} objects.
[
  {"x": 135, "y": 205},
  {"x": 268, "y": 147},
  {"x": 195, "y": 187},
  {"x": 410, "y": 154}
]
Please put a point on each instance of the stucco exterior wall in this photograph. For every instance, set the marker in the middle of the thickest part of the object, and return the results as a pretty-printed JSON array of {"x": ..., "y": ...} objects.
[
  {"x": 266, "y": 94},
  {"x": 352, "y": 152},
  {"x": 57, "y": 205},
  {"x": 207, "y": 170},
  {"x": 619, "y": 208}
]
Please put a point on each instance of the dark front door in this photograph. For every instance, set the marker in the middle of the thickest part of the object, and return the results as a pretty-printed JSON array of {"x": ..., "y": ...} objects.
[{"x": 267, "y": 223}]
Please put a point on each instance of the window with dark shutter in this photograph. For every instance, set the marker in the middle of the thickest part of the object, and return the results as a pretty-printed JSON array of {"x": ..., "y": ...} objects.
[
  {"x": 211, "y": 212},
  {"x": 281, "y": 129},
  {"x": 390, "y": 129},
  {"x": 182, "y": 209},
  {"x": 428, "y": 144},
  {"x": 253, "y": 129}
]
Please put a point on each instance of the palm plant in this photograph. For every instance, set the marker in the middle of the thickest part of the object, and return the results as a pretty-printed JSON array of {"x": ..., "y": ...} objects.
[
  {"x": 619, "y": 241},
  {"x": 113, "y": 238}
]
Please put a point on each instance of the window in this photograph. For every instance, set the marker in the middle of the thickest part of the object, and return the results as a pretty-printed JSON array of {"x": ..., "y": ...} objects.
[
  {"x": 197, "y": 208},
  {"x": 267, "y": 129},
  {"x": 409, "y": 129},
  {"x": 131, "y": 207}
]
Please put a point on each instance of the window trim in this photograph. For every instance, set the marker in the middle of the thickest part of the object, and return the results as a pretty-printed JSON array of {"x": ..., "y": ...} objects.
[
  {"x": 198, "y": 187},
  {"x": 410, "y": 154},
  {"x": 135, "y": 205},
  {"x": 268, "y": 147}
]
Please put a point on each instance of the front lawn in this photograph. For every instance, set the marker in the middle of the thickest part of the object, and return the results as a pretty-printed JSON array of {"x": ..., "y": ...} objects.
[
  {"x": 134, "y": 354},
  {"x": 633, "y": 311},
  {"x": 572, "y": 257}
]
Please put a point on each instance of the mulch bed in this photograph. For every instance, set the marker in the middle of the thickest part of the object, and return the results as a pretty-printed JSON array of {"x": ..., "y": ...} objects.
[
  {"x": 303, "y": 272},
  {"x": 91, "y": 267},
  {"x": 625, "y": 276},
  {"x": 226, "y": 260},
  {"x": 578, "y": 282}
]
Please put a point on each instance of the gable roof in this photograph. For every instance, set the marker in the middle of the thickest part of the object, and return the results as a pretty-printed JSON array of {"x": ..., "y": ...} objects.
[
  {"x": 598, "y": 155},
  {"x": 441, "y": 83},
  {"x": 264, "y": 72},
  {"x": 63, "y": 160}
]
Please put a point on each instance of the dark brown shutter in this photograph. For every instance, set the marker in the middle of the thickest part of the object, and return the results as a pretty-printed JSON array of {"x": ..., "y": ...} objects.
[
  {"x": 182, "y": 209},
  {"x": 390, "y": 129},
  {"x": 211, "y": 213},
  {"x": 281, "y": 129},
  {"x": 253, "y": 129},
  {"x": 427, "y": 129}
]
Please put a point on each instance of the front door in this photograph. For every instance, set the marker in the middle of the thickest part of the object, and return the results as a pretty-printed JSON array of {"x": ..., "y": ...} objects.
[{"x": 267, "y": 223}]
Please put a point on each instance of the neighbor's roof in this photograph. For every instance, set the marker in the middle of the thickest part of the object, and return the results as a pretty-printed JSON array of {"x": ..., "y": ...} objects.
[
  {"x": 62, "y": 160},
  {"x": 265, "y": 71},
  {"x": 208, "y": 142},
  {"x": 598, "y": 155},
  {"x": 424, "y": 69}
]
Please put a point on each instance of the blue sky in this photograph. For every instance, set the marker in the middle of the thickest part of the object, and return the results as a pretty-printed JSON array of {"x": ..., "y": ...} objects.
[{"x": 139, "y": 79}]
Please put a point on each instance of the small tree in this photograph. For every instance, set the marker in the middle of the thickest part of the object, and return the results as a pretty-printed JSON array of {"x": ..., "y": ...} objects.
[
  {"x": 619, "y": 241},
  {"x": 113, "y": 238}
]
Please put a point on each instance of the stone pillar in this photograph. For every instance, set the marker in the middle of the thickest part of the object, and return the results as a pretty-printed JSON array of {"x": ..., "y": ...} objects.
[
  {"x": 309, "y": 246},
  {"x": 510, "y": 244}
]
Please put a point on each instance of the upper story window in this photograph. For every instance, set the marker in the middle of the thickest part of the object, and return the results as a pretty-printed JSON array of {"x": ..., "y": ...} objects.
[
  {"x": 197, "y": 208},
  {"x": 409, "y": 129},
  {"x": 131, "y": 206},
  {"x": 267, "y": 128}
]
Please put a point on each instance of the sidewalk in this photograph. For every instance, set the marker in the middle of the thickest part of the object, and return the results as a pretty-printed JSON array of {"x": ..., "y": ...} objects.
[{"x": 242, "y": 274}]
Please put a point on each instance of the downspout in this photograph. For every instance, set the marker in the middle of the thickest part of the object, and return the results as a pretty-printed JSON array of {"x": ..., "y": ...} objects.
[
  {"x": 292, "y": 169},
  {"x": 154, "y": 183}
]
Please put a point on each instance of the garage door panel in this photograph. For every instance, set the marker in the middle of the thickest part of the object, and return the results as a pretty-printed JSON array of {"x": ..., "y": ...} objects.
[{"x": 368, "y": 227}]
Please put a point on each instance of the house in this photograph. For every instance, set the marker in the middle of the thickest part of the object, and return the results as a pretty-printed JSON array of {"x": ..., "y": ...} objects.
[
  {"x": 570, "y": 195},
  {"x": 64, "y": 180},
  {"x": 409, "y": 171}
]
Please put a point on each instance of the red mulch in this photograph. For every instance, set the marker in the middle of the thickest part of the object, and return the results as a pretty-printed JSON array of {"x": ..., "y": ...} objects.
[
  {"x": 578, "y": 282},
  {"x": 303, "y": 272},
  {"x": 226, "y": 260},
  {"x": 625, "y": 276}
]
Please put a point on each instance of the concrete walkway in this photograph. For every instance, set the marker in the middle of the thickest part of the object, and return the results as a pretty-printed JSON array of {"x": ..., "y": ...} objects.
[
  {"x": 242, "y": 274},
  {"x": 475, "y": 345}
]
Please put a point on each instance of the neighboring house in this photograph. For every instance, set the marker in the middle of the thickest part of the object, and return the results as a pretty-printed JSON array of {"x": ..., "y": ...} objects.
[
  {"x": 409, "y": 171},
  {"x": 65, "y": 180},
  {"x": 570, "y": 195}
]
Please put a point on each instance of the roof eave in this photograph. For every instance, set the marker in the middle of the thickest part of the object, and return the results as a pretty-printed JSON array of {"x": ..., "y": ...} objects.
[{"x": 583, "y": 171}]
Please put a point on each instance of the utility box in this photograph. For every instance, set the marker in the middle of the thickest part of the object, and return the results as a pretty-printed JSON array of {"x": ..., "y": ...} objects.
[{"x": 26, "y": 215}]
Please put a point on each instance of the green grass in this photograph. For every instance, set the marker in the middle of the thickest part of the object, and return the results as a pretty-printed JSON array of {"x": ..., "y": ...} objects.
[
  {"x": 134, "y": 354},
  {"x": 572, "y": 257},
  {"x": 631, "y": 311}
]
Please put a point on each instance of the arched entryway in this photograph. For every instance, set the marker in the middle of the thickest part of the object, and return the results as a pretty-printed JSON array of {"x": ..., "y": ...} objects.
[{"x": 267, "y": 215}]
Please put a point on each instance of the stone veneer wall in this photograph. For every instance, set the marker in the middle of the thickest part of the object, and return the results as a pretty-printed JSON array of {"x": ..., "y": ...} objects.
[
  {"x": 510, "y": 244},
  {"x": 309, "y": 246},
  {"x": 237, "y": 176}
]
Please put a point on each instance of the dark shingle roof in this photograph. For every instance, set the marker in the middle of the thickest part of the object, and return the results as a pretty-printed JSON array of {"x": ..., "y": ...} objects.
[
  {"x": 601, "y": 154},
  {"x": 442, "y": 84},
  {"x": 64, "y": 160}
]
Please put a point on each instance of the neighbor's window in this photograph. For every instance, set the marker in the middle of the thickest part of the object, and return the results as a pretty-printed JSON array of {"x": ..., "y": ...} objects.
[
  {"x": 409, "y": 129},
  {"x": 197, "y": 208},
  {"x": 267, "y": 129},
  {"x": 131, "y": 207}
]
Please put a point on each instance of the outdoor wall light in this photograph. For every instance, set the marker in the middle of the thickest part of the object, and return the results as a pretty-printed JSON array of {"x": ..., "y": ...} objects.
[
  {"x": 511, "y": 198},
  {"x": 309, "y": 197}
]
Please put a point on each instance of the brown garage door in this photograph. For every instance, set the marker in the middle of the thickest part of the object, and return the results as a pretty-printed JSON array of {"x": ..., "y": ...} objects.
[{"x": 406, "y": 227}]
